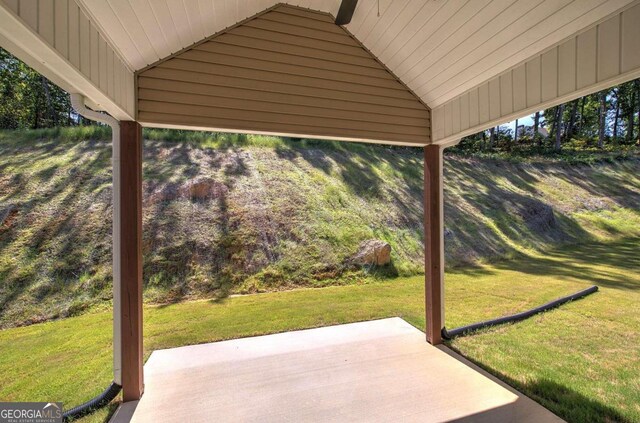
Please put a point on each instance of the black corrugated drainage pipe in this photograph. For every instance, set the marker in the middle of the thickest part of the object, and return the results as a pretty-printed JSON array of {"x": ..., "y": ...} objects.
[
  {"x": 463, "y": 330},
  {"x": 93, "y": 404}
]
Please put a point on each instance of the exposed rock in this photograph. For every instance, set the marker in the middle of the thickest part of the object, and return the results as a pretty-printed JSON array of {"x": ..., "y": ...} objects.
[
  {"x": 166, "y": 192},
  {"x": 373, "y": 252},
  {"x": 200, "y": 188},
  {"x": 593, "y": 203},
  {"x": 7, "y": 215},
  {"x": 537, "y": 215}
]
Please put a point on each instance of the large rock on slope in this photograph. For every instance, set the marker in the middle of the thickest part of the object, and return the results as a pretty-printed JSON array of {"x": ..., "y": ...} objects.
[
  {"x": 200, "y": 188},
  {"x": 373, "y": 252}
]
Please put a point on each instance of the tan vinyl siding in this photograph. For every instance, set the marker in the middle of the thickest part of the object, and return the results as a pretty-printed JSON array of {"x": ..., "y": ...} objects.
[{"x": 288, "y": 70}]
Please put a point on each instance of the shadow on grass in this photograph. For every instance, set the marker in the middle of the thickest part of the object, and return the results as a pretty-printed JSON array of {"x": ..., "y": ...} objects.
[
  {"x": 560, "y": 399},
  {"x": 578, "y": 262},
  {"x": 485, "y": 202},
  {"x": 357, "y": 169},
  {"x": 388, "y": 271},
  {"x": 49, "y": 231},
  {"x": 569, "y": 404}
]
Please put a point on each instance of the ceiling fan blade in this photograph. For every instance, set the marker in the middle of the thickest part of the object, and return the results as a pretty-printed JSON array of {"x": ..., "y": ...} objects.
[{"x": 345, "y": 13}]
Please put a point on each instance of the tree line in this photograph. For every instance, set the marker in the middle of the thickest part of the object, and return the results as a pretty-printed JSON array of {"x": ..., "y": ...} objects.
[
  {"x": 607, "y": 119},
  {"x": 29, "y": 100}
]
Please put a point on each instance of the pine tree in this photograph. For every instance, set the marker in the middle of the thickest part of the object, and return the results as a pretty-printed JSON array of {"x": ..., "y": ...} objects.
[{"x": 602, "y": 118}]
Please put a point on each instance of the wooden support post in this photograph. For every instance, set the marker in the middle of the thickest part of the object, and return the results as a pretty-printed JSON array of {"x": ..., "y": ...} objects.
[
  {"x": 130, "y": 204},
  {"x": 433, "y": 243}
]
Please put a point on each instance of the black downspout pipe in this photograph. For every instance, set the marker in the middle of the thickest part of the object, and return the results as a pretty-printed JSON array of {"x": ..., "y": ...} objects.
[
  {"x": 93, "y": 404},
  {"x": 463, "y": 330}
]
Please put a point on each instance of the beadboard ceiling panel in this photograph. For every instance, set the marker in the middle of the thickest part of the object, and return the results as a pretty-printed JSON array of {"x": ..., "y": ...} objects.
[{"x": 149, "y": 30}]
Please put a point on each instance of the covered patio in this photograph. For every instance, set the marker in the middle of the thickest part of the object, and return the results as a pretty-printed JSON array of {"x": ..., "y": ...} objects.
[{"x": 413, "y": 73}]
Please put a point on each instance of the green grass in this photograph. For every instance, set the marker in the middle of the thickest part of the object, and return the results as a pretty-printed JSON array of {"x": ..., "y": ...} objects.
[
  {"x": 581, "y": 361},
  {"x": 575, "y": 151},
  {"x": 289, "y": 213}
]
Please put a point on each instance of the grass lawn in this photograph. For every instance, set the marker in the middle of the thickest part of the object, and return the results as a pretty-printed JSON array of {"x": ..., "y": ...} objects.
[
  {"x": 581, "y": 361},
  {"x": 282, "y": 213}
]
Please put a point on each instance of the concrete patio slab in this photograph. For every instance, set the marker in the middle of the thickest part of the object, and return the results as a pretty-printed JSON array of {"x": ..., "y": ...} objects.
[{"x": 381, "y": 370}]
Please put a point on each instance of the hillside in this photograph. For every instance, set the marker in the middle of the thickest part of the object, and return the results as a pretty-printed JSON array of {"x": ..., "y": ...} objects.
[{"x": 227, "y": 214}]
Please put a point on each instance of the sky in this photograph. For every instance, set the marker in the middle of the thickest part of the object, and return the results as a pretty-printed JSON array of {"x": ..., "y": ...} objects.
[{"x": 528, "y": 120}]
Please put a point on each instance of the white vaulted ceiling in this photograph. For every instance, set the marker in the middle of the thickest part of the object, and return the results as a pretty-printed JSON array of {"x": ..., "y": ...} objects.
[{"x": 438, "y": 48}]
